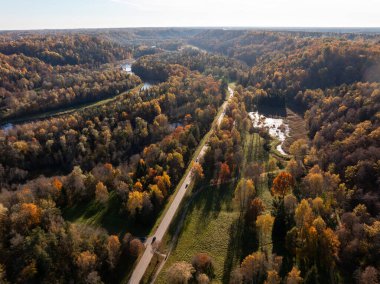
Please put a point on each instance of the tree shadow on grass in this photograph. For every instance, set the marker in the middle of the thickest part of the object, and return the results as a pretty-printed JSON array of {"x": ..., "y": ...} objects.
[
  {"x": 212, "y": 201},
  {"x": 242, "y": 242},
  {"x": 233, "y": 245},
  {"x": 206, "y": 201},
  {"x": 108, "y": 217}
]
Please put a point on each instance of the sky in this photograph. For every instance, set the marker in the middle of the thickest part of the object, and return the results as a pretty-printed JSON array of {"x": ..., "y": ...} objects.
[{"x": 63, "y": 14}]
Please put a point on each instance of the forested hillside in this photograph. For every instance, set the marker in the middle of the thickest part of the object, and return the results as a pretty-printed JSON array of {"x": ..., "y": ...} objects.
[
  {"x": 83, "y": 192},
  {"x": 65, "y": 49},
  {"x": 47, "y": 73},
  {"x": 126, "y": 155},
  {"x": 219, "y": 66}
]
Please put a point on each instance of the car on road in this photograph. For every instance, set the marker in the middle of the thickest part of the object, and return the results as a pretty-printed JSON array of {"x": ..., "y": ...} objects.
[
  {"x": 186, "y": 185},
  {"x": 153, "y": 240}
]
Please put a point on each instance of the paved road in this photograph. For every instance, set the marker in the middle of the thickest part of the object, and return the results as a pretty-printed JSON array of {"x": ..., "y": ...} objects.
[
  {"x": 144, "y": 261},
  {"x": 224, "y": 106}
]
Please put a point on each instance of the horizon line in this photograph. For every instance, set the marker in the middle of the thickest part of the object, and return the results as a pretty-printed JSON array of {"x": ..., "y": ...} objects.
[{"x": 198, "y": 27}]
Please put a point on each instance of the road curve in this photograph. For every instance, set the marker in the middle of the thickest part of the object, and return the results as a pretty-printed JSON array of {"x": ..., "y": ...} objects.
[{"x": 144, "y": 261}]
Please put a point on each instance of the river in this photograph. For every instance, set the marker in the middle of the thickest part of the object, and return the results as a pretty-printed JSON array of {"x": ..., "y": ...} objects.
[
  {"x": 276, "y": 127},
  {"x": 6, "y": 127},
  {"x": 127, "y": 66}
]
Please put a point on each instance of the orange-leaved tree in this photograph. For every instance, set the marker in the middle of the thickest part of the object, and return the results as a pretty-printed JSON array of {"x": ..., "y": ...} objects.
[
  {"x": 197, "y": 172},
  {"x": 224, "y": 173},
  {"x": 283, "y": 184}
]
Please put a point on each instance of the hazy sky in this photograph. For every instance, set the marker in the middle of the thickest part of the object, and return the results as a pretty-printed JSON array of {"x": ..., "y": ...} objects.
[{"x": 42, "y": 14}]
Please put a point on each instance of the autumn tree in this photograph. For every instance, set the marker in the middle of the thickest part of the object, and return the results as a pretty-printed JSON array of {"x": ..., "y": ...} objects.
[
  {"x": 176, "y": 164},
  {"x": 93, "y": 278},
  {"x": 160, "y": 123},
  {"x": 294, "y": 168},
  {"x": 113, "y": 250},
  {"x": 330, "y": 183},
  {"x": 156, "y": 194},
  {"x": 141, "y": 129},
  {"x": 57, "y": 184},
  {"x": 180, "y": 272},
  {"x": 370, "y": 275},
  {"x": 290, "y": 204},
  {"x": 303, "y": 215},
  {"x": 316, "y": 244},
  {"x": 299, "y": 149},
  {"x": 101, "y": 193},
  {"x": 203, "y": 278},
  {"x": 25, "y": 216},
  {"x": 272, "y": 277},
  {"x": 135, "y": 247},
  {"x": 197, "y": 172},
  {"x": 138, "y": 186},
  {"x": 74, "y": 185},
  {"x": 86, "y": 261},
  {"x": 3, "y": 219},
  {"x": 313, "y": 183},
  {"x": 135, "y": 202},
  {"x": 164, "y": 183},
  {"x": 28, "y": 272},
  {"x": 3, "y": 274},
  {"x": 236, "y": 276},
  {"x": 244, "y": 193},
  {"x": 224, "y": 172},
  {"x": 282, "y": 184},
  {"x": 141, "y": 169},
  {"x": 294, "y": 276},
  {"x": 264, "y": 223},
  {"x": 252, "y": 267},
  {"x": 202, "y": 262},
  {"x": 255, "y": 208}
]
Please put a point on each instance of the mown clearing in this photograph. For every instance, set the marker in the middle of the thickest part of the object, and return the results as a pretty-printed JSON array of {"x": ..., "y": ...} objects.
[{"x": 214, "y": 224}]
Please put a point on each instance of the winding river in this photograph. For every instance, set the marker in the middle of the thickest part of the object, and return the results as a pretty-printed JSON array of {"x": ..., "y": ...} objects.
[
  {"x": 126, "y": 66},
  {"x": 275, "y": 126}
]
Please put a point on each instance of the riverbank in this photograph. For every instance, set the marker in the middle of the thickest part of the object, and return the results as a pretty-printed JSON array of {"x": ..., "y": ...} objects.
[
  {"x": 277, "y": 128},
  {"x": 126, "y": 65},
  {"x": 10, "y": 123}
]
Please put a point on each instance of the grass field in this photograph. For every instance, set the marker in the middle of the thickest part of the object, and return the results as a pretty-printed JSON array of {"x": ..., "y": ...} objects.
[
  {"x": 214, "y": 225},
  {"x": 255, "y": 152},
  {"x": 209, "y": 227}
]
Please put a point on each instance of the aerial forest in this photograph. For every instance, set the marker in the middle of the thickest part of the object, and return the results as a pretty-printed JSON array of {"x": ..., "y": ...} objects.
[{"x": 92, "y": 155}]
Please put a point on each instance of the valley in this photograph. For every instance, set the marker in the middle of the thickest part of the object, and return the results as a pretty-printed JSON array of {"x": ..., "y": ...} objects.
[{"x": 189, "y": 155}]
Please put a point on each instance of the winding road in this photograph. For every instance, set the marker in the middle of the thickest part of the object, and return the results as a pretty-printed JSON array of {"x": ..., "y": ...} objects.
[{"x": 144, "y": 261}]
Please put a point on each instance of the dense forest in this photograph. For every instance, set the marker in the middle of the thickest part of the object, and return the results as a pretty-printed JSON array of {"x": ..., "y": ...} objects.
[
  {"x": 219, "y": 66},
  {"x": 46, "y": 73},
  {"x": 81, "y": 191}
]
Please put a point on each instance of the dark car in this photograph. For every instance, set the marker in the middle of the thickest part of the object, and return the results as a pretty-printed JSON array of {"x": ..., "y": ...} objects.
[
  {"x": 153, "y": 240},
  {"x": 186, "y": 185}
]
